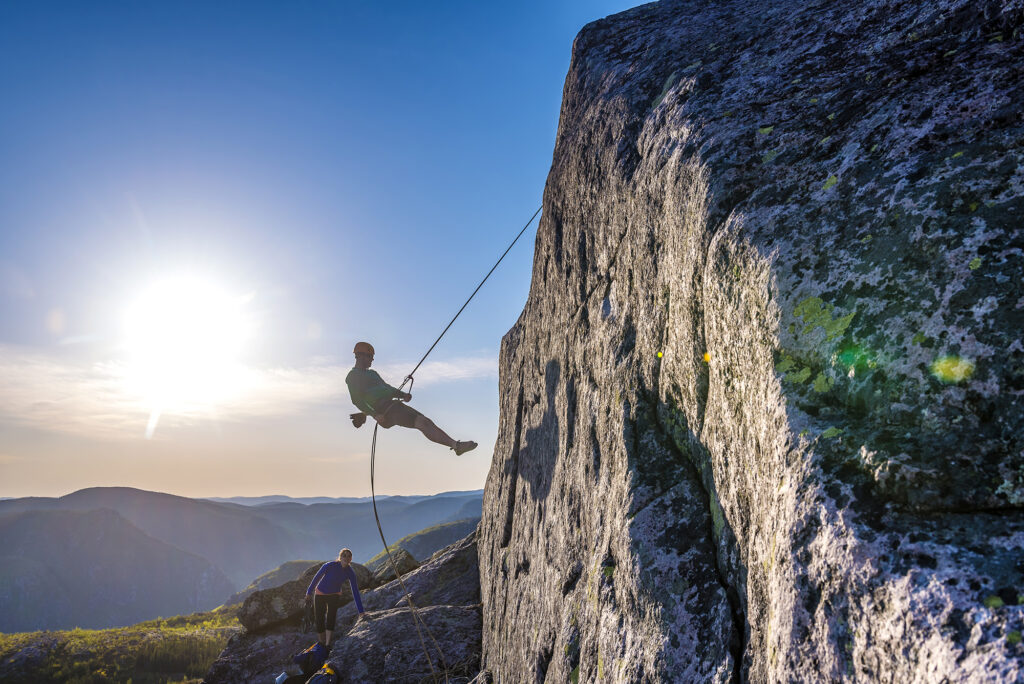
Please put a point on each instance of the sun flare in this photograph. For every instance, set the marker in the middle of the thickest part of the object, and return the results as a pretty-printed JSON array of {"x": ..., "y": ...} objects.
[{"x": 184, "y": 338}]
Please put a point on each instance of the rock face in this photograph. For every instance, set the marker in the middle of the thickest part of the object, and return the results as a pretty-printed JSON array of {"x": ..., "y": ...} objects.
[
  {"x": 761, "y": 417},
  {"x": 284, "y": 604},
  {"x": 383, "y": 645}
]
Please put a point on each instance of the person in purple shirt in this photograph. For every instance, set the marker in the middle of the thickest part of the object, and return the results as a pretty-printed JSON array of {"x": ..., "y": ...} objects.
[{"x": 325, "y": 593}]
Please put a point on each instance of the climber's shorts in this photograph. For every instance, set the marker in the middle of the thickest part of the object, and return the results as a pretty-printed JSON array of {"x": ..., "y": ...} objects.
[{"x": 397, "y": 413}]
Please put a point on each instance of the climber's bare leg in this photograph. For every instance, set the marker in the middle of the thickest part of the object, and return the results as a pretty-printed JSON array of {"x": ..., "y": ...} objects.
[{"x": 433, "y": 433}]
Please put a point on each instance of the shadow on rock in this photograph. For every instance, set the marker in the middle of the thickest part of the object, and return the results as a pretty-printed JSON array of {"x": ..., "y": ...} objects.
[{"x": 541, "y": 444}]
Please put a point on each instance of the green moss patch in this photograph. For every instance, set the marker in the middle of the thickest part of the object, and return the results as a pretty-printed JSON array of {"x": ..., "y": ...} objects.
[
  {"x": 993, "y": 602},
  {"x": 823, "y": 383},
  {"x": 818, "y": 314}
]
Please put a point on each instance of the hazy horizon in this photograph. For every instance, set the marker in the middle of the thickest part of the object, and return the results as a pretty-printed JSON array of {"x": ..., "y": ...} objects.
[{"x": 243, "y": 496}]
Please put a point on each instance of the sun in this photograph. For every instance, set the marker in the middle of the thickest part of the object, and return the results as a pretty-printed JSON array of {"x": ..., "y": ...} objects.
[{"x": 184, "y": 337}]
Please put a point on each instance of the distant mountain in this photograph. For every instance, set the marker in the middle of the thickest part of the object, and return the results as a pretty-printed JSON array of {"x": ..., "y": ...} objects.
[
  {"x": 247, "y": 540},
  {"x": 286, "y": 572},
  {"x": 63, "y": 569},
  {"x": 280, "y": 498},
  {"x": 322, "y": 529},
  {"x": 237, "y": 539},
  {"x": 474, "y": 508}
]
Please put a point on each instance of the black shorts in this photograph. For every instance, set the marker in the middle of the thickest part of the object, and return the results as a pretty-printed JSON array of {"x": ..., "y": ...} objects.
[{"x": 396, "y": 413}]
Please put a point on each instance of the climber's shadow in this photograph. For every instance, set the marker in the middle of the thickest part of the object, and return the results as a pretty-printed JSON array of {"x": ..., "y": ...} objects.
[{"x": 541, "y": 443}]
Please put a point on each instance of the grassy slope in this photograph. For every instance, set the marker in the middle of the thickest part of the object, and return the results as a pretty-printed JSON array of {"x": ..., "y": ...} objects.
[
  {"x": 424, "y": 543},
  {"x": 164, "y": 650}
]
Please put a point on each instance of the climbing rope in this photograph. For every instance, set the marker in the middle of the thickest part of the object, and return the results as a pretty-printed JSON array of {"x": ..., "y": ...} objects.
[
  {"x": 417, "y": 620},
  {"x": 373, "y": 457},
  {"x": 408, "y": 378}
]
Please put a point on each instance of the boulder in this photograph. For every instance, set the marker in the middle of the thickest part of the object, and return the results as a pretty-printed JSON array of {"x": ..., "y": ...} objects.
[
  {"x": 382, "y": 569},
  {"x": 384, "y": 646},
  {"x": 762, "y": 416},
  {"x": 258, "y": 657},
  {"x": 284, "y": 604}
]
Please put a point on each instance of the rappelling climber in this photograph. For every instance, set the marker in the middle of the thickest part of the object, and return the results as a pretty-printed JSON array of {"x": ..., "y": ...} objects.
[{"x": 384, "y": 403}]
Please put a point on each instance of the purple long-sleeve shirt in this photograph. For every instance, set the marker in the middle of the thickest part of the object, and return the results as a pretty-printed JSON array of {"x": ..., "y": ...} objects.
[{"x": 328, "y": 580}]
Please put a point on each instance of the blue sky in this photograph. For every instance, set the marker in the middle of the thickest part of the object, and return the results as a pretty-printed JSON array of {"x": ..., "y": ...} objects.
[{"x": 333, "y": 171}]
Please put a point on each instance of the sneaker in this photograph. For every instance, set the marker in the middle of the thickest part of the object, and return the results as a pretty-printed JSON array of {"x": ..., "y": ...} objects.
[{"x": 462, "y": 447}]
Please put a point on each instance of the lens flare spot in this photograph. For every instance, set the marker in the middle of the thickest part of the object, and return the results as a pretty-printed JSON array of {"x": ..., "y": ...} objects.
[
  {"x": 856, "y": 357},
  {"x": 952, "y": 369}
]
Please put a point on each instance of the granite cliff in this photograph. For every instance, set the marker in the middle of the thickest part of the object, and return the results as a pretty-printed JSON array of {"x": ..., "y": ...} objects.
[{"x": 761, "y": 416}]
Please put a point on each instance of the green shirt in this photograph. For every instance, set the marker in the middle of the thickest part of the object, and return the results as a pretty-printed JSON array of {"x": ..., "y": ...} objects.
[{"x": 367, "y": 389}]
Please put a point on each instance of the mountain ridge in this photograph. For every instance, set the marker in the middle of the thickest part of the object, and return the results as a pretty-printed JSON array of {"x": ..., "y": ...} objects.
[{"x": 239, "y": 542}]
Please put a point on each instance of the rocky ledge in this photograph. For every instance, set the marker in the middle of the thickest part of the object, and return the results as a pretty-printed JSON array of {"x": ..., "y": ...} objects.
[{"x": 383, "y": 644}]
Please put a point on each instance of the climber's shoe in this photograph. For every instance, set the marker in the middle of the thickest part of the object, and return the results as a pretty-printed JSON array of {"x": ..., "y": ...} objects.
[{"x": 462, "y": 447}]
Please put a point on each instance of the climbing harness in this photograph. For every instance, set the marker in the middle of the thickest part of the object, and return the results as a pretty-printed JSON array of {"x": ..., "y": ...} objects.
[{"x": 373, "y": 455}]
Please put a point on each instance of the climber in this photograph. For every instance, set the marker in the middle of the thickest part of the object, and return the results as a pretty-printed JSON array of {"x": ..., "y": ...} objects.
[
  {"x": 327, "y": 585},
  {"x": 376, "y": 398}
]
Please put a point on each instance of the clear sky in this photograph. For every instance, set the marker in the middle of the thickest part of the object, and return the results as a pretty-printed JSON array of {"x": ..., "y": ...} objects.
[{"x": 204, "y": 205}]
